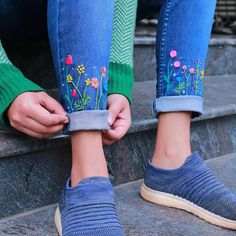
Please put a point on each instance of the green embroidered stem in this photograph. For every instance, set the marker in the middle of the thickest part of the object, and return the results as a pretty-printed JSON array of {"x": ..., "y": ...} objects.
[
  {"x": 78, "y": 80},
  {"x": 167, "y": 78},
  {"x": 99, "y": 100},
  {"x": 187, "y": 83},
  {"x": 96, "y": 103},
  {"x": 77, "y": 90},
  {"x": 67, "y": 86}
]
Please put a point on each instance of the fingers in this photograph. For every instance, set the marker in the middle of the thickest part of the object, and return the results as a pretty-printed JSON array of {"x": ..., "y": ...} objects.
[
  {"x": 114, "y": 111},
  {"x": 51, "y": 104},
  {"x": 119, "y": 129},
  {"x": 45, "y": 118},
  {"x": 35, "y": 129}
]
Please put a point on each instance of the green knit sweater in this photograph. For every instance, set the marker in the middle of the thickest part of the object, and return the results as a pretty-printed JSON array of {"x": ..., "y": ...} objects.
[{"x": 13, "y": 82}]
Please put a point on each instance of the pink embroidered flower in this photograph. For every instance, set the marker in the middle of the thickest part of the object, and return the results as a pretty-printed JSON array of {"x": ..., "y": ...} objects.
[
  {"x": 103, "y": 70},
  {"x": 192, "y": 70},
  {"x": 184, "y": 67},
  {"x": 176, "y": 64},
  {"x": 94, "y": 83},
  {"x": 69, "y": 60},
  {"x": 73, "y": 94},
  {"x": 173, "y": 53}
]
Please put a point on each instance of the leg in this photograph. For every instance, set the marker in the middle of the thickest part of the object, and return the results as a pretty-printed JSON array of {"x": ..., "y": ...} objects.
[
  {"x": 81, "y": 55},
  {"x": 180, "y": 76},
  {"x": 174, "y": 177},
  {"x": 80, "y": 36}
]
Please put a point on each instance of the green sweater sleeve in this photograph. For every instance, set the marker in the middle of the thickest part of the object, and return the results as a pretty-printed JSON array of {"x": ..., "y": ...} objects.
[
  {"x": 12, "y": 84},
  {"x": 121, "y": 59}
]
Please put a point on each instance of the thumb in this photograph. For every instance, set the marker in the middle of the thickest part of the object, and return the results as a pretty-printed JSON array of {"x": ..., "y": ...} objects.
[{"x": 113, "y": 112}]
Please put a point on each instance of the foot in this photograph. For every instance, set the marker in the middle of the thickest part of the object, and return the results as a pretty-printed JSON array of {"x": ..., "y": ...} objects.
[
  {"x": 193, "y": 188},
  {"x": 88, "y": 209}
]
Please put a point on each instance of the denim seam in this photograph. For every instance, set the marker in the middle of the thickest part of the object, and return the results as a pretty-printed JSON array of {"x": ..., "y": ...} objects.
[
  {"x": 58, "y": 52},
  {"x": 161, "y": 59}
]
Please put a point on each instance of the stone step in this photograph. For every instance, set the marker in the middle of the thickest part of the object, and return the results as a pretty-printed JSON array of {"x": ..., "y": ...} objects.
[
  {"x": 34, "y": 58},
  {"x": 137, "y": 216},
  {"x": 33, "y": 171}
]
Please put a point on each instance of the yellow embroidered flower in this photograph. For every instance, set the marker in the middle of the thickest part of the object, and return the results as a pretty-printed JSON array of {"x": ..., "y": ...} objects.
[
  {"x": 202, "y": 74},
  {"x": 69, "y": 78},
  {"x": 87, "y": 82},
  {"x": 81, "y": 69}
]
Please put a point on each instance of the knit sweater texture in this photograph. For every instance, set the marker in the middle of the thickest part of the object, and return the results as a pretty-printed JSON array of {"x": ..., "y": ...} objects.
[{"x": 14, "y": 83}]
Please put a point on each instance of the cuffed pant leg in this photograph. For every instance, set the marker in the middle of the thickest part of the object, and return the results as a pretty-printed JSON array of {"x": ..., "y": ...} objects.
[
  {"x": 80, "y": 34},
  {"x": 183, "y": 35}
]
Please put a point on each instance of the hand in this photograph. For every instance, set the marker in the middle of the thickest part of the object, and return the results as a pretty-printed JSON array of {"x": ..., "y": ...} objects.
[
  {"x": 37, "y": 114},
  {"x": 119, "y": 118}
]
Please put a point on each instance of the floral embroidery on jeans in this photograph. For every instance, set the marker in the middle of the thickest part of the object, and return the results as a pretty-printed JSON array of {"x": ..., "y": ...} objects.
[
  {"x": 82, "y": 93},
  {"x": 182, "y": 79}
]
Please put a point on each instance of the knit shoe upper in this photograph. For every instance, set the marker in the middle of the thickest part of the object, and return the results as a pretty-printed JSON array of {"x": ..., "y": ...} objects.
[
  {"x": 196, "y": 183},
  {"x": 89, "y": 210}
]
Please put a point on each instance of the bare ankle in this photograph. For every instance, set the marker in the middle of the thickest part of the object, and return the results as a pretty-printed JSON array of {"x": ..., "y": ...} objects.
[
  {"x": 88, "y": 158},
  {"x": 170, "y": 158}
]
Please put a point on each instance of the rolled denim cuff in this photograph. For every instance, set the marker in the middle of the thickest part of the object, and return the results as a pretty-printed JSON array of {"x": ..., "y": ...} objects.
[
  {"x": 178, "y": 103},
  {"x": 88, "y": 120}
]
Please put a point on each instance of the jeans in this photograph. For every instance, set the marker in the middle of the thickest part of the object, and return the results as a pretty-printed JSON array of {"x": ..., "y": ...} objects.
[
  {"x": 81, "y": 54},
  {"x": 80, "y": 34},
  {"x": 183, "y": 34}
]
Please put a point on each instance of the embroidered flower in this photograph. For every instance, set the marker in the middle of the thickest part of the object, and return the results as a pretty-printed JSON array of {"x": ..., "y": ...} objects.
[
  {"x": 73, "y": 94},
  {"x": 202, "y": 74},
  {"x": 192, "y": 70},
  {"x": 81, "y": 69},
  {"x": 69, "y": 60},
  {"x": 178, "y": 78},
  {"x": 87, "y": 82},
  {"x": 94, "y": 82},
  {"x": 184, "y": 68},
  {"x": 173, "y": 53},
  {"x": 103, "y": 70},
  {"x": 176, "y": 64},
  {"x": 69, "y": 78}
]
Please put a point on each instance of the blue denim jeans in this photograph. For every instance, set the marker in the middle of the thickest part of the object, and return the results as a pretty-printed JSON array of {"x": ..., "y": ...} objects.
[
  {"x": 80, "y": 35},
  {"x": 183, "y": 34}
]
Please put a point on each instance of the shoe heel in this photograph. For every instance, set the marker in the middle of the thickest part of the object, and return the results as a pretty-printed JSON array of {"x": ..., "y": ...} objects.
[{"x": 57, "y": 220}]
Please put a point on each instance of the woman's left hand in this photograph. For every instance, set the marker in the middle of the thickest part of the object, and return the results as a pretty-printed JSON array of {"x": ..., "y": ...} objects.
[{"x": 119, "y": 118}]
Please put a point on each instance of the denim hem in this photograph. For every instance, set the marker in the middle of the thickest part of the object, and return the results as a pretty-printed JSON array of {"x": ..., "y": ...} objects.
[
  {"x": 88, "y": 120},
  {"x": 178, "y": 103}
]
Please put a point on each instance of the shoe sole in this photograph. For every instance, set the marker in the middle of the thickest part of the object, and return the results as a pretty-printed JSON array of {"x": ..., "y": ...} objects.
[
  {"x": 57, "y": 220},
  {"x": 170, "y": 200}
]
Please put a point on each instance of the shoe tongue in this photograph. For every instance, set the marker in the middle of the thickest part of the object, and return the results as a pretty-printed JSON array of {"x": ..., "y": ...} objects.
[{"x": 93, "y": 189}]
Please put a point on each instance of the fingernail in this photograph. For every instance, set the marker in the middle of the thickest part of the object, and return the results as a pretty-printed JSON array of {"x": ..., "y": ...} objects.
[{"x": 66, "y": 121}]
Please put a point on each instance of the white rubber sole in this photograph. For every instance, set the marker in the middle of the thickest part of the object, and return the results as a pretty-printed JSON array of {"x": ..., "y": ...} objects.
[
  {"x": 57, "y": 220},
  {"x": 170, "y": 200}
]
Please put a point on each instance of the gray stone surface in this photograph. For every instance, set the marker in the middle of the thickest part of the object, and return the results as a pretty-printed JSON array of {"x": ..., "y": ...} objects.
[{"x": 137, "y": 216}]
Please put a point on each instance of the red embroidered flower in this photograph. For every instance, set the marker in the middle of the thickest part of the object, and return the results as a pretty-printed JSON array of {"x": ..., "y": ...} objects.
[
  {"x": 73, "y": 94},
  {"x": 69, "y": 60},
  {"x": 184, "y": 67},
  {"x": 103, "y": 70},
  {"x": 94, "y": 83}
]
